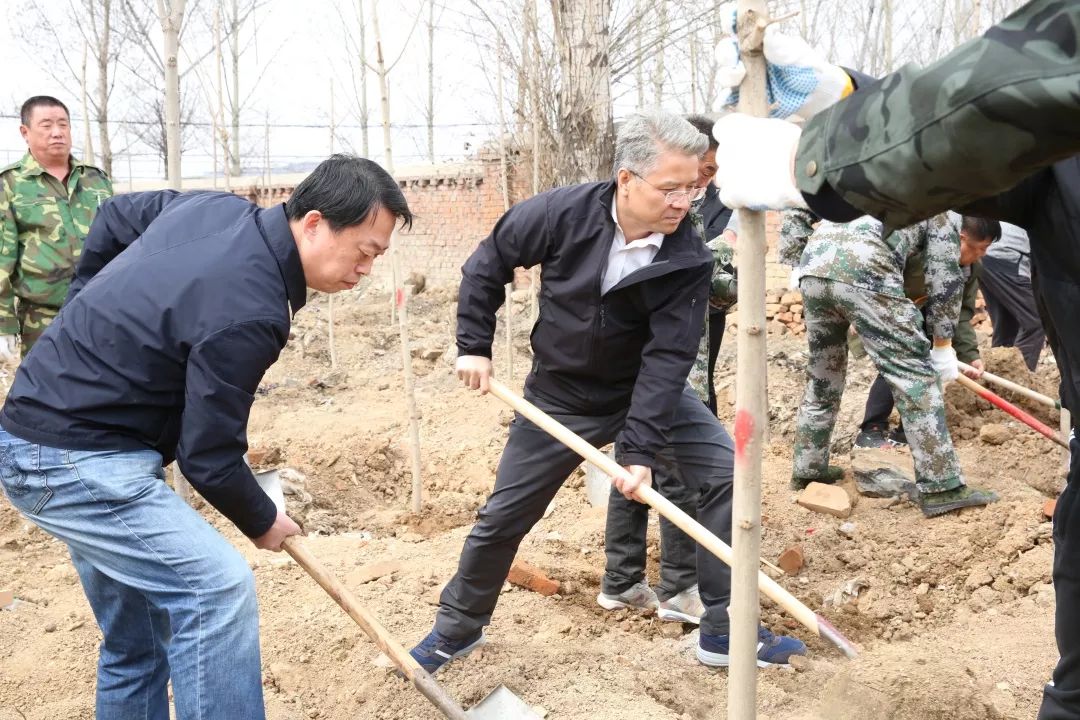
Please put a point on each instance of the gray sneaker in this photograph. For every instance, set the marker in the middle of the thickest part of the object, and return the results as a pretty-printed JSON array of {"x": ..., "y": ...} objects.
[
  {"x": 685, "y": 607},
  {"x": 638, "y": 597}
]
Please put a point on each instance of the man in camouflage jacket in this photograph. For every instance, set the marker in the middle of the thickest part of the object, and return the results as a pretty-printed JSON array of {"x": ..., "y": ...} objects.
[
  {"x": 901, "y": 150},
  {"x": 976, "y": 237},
  {"x": 47, "y": 201},
  {"x": 853, "y": 275}
]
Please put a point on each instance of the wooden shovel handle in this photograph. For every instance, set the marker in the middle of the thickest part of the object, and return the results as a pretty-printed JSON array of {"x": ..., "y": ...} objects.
[
  {"x": 373, "y": 629},
  {"x": 1018, "y": 389},
  {"x": 1003, "y": 404},
  {"x": 684, "y": 522}
]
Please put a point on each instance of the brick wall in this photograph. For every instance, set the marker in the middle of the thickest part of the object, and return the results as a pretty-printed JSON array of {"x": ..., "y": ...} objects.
[{"x": 456, "y": 205}]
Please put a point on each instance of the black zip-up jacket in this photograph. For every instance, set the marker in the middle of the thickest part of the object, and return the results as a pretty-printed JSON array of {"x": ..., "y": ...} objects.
[
  {"x": 1047, "y": 205},
  {"x": 180, "y": 304},
  {"x": 593, "y": 354}
]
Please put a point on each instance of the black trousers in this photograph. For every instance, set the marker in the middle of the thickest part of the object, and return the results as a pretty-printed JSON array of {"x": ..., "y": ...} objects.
[
  {"x": 1011, "y": 305},
  {"x": 1061, "y": 698},
  {"x": 533, "y": 467},
  {"x": 879, "y": 405},
  {"x": 627, "y": 521}
]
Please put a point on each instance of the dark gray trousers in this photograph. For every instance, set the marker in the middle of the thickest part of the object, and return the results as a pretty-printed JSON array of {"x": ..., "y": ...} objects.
[
  {"x": 534, "y": 466},
  {"x": 625, "y": 539},
  {"x": 1011, "y": 305}
]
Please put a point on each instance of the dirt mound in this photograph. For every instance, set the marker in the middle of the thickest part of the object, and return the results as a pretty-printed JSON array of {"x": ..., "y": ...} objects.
[{"x": 954, "y": 614}]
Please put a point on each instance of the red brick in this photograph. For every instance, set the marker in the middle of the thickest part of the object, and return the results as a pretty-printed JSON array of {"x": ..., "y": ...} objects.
[{"x": 525, "y": 575}]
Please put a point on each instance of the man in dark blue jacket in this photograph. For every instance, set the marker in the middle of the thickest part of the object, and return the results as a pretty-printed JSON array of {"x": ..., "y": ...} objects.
[
  {"x": 623, "y": 293},
  {"x": 181, "y": 303}
]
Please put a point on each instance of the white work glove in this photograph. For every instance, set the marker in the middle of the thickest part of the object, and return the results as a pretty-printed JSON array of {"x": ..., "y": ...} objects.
[
  {"x": 9, "y": 348},
  {"x": 793, "y": 281},
  {"x": 757, "y": 163},
  {"x": 944, "y": 361},
  {"x": 800, "y": 80}
]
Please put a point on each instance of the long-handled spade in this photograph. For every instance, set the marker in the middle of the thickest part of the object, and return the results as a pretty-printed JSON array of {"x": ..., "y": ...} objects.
[
  {"x": 500, "y": 704},
  {"x": 1006, "y": 406},
  {"x": 814, "y": 622}
]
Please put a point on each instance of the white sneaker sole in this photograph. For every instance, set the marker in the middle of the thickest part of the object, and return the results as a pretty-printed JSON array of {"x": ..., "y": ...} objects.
[
  {"x": 676, "y": 616},
  {"x": 609, "y": 603},
  {"x": 721, "y": 660}
]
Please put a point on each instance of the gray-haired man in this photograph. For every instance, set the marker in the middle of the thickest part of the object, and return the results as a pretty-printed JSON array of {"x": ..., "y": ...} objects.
[{"x": 624, "y": 290}]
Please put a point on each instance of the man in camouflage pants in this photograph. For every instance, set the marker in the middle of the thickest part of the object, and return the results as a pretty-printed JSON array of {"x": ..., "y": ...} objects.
[
  {"x": 852, "y": 275},
  {"x": 48, "y": 200}
]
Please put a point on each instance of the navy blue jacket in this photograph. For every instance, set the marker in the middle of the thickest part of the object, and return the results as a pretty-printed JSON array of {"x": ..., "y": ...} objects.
[
  {"x": 594, "y": 355},
  {"x": 180, "y": 304}
]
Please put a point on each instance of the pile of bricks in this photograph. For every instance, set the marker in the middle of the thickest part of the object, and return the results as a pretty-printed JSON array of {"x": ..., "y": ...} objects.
[{"x": 783, "y": 313}]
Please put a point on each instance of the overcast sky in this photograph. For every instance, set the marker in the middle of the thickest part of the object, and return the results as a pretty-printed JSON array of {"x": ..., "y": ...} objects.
[{"x": 300, "y": 49}]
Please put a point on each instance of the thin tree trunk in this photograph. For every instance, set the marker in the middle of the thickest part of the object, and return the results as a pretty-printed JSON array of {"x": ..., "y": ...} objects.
[
  {"x": 88, "y": 142},
  {"x": 223, "y": 134},
  {"x": 750, "y": 400},
  {"x": 534, "y": 94},
  {"x": 266, "y": 155},
  {"x": 658, "y": 68},
  {"x": 365, "y": 149},
  {"x": 234, "y": 51},
  {"x": 431, "y": 83},
  {"x": 400, "y": 296},
  {"x": 639, "y": 61},
  {"x": 171, "y": 21},
  {"x": 888, "y": 10},
  {"x": 104, "y": 40},
  {"x": 508, "y": 305}
]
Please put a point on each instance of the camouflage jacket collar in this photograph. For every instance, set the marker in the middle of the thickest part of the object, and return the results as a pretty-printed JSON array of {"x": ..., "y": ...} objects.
[{"x": 30, "y": 165}]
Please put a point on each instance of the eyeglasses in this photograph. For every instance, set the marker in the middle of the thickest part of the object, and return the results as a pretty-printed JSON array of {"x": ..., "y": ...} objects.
[{"x": 673, "y": 196}]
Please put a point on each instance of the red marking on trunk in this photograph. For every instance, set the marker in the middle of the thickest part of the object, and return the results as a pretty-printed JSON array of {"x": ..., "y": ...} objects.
[
  {"x": 399, "y": 297},
  {"x": 744, "y": 428}
]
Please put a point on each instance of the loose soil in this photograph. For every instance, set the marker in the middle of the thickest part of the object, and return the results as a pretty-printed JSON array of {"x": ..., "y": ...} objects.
[{"x": 955, "y": 614}]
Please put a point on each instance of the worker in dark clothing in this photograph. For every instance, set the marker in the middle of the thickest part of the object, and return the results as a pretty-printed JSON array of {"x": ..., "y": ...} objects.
[
  {"x": 1010, "y": 301},
  {"x": 181, "y": 303},
  {"x": 900, "y": 150}
]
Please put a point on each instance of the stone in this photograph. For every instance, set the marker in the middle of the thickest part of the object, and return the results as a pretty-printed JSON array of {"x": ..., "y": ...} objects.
[
  {"x": 671, "y": 630},
  {"x": 796, "y": 308},
  {"x": 431, "y": 353},
  {"x": 847, "y": 529},
  {"x": 799, "y": 663},
  {"x": 791, "y": 560},
  {"x": 829, "y": 499},
  {"x": 525, "y": 575},
  {"x": 372, "y": 571},
  {"x": 883, "y": 473},
  {"x": 994, "y": 434},
  {"x": 7, "y": 598},
  {"x": 791, "y": 298},
  {"x": 260, "y": 456},
  {"x": 1048, "y": 508}
]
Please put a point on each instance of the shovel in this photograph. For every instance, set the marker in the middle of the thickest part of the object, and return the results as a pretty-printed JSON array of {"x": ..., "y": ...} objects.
[
  {"x": 1018, "y": 389},
  {"x": 500, "y": 703},
  {"x": 1003, "y": 404},
  {"x": 814, "y": 622}
]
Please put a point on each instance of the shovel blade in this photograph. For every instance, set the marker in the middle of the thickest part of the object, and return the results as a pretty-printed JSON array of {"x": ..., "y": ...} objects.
[{"x": 502, "y": 704}]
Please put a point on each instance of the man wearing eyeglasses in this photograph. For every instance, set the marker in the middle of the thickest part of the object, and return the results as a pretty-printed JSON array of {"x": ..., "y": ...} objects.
[{"x": 623, "y": 294}]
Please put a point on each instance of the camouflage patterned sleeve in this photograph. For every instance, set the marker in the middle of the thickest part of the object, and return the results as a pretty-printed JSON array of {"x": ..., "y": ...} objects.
[
  {"x": 900, "y": 149},
  {"x": 795, "y": 230},
  {"x": 9, "y": 256},
  {"x": 944, "y": 276},
  {"x": 724, "y": 288},
  {"x": 965, "y": 343}
]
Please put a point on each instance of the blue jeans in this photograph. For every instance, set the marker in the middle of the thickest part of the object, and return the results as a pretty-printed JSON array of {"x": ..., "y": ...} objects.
[{"x": 172, "y": 597}]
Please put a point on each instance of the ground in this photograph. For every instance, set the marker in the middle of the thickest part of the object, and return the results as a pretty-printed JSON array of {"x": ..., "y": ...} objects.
[{"x": 955, "y": 617}]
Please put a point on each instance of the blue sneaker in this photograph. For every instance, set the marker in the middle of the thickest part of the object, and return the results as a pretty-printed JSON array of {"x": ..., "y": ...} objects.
[
  {"x": 772, "y": 649},
  {"x": 435, "y": 650}
]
